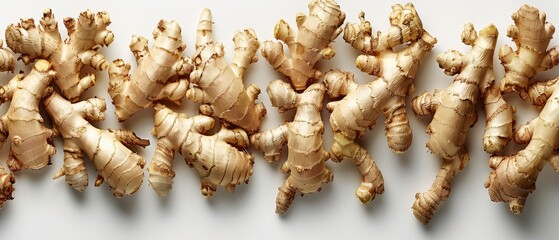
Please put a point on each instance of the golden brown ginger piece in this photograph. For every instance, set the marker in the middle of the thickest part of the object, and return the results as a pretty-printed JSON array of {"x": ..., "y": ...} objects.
[
  {"x": 107, "y": 149},
  {"x": 217, "y": 158},
  {"x": 316, "y": 32},
  {"x": 306, "y": 157},
  {"x": 454, "y": 111},
  {"x": 219, "y": 85},
  {"x": 514, "y": 177},
  {"x": 362, "y": 104},
  {"x": 67, "y": 56},
  {"x": 531, "y": 34},
  {"x": 22, "y": 123},
  {"x": 162, "y": 72}
]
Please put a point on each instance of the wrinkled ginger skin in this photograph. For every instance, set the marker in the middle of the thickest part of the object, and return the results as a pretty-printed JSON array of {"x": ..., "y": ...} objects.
[
  {"x": 514, "y": 177},
  {"x": 115, "y": 163},
  {"x": 22, "y": 123},
  {"x": 306, "y": 156},
  {"x": 454, "y": 112},
  {"x": 162, "y": 72},
  {"x": 217, "y": 158},
  {"x": 311, "y": 43},
  {"x": 361, "y": 105},
  {"x": 218, "y": 85},
  {"x": 531, "y": 34},
  {"x": 68, "y": 56}
]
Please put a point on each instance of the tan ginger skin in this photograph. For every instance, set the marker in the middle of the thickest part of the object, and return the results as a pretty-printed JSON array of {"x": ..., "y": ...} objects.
[
  {"x": 531, "y": 34},
  {"x": 219, "y": 85},
  {"x": 85, "y": 36},
  {"x": 306, "y": 156},
  {"x": 514, "y": 177},
  {"x": 162, "y": 72},
  {"x": 7, "y": 179},
  {"x": 454, "y": 111},
  {"x": 107, "y": 149},
  {"x": 311, "y": 43},
  {"x": 22, "y": 123},
  {"x": 361, "y": 105},
  {"x": 218, "y": 158}
]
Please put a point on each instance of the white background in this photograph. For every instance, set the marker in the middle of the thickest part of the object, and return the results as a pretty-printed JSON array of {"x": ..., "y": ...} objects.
[{"x": 44, "y": 208}]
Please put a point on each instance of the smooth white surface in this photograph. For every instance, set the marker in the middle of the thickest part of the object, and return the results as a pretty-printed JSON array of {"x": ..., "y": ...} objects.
[{"x": 49, "y": 209}]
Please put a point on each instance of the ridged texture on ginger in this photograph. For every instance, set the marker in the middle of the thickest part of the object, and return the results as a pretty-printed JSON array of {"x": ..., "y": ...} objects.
[
  {"x": 454, "y": 112},
  {"x": 218, "y": 158},
  {"x": 218, "y": 85},
  {"x": 361, "y": 105},
  {"x": 85, "y": 36},
  {"x": 306, "y": 156},
  {"x": 531, "y": 33},
  {"x": 107, "y": 149},
  {"x": 306, "y": 46},
  {"x": 514, "y": 177},
  {"x": 22, "y": 123},
  {"x": 162, "y": 72}
]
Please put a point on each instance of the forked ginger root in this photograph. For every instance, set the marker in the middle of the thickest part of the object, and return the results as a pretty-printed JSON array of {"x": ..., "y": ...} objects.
[
  {"x": 22, "y": 123},
  {"x": 362, "y": 104},
  {"x": 312, "y": 42},
  {"x": 216, "y": 158},
  {"x": 454, "y": 111},
  {"x": 514, "y": 177},
  {"x": 219, "y": 85},
  {"x": 162, "y": 72},
  {"x": 67, "y": 56},
  {"x": 306, "y": 157},
  {"x": 107, "y": 149},
  {"x": 531, "y": 34}
]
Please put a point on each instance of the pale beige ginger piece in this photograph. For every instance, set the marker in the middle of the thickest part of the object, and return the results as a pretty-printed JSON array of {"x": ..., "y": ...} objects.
[
  {"x": 7, "y": 181},
  {"x": 220, "y": 158},
  {"x": 162, "y": 72},
  {"x": 107, "y": 149},
  {"x": 306, "y": 156},
  {"x": 514, "y": 177},
  {"x": 454, "y": 112},
  {"x": 531, "y": 33},
  {"x": 307, "y": 46},
  {"x": 219, "y": 85},
  {"x": 405, "y": 26},
  {"x": 361, "y": 105},
  {"x": 539, "y": 92},
  {"x": 22, "y": 124},
  {"x": 69, "y": 56}
]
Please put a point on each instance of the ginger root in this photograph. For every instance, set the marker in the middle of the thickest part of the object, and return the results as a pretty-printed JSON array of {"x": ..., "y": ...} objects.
[
  {"x": 7, "y": 179},
  {"x": 216, "y": 158},
  {"x": 107, "y": 149},
  {"x": 219, "y": 85},
  {"x": 361, "y": 104},
  {"x": 22, "y": 123},
  {"x": 316, "y": 32},
  {"x": 162, "y": 72},
  {"x": 306, "y": 156},
  {"x": 454, "y": 112},
  {"x": 531, "y": 34},
  {"x": 67, "y": 56},
  {"x": 514, "y": 177}
]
